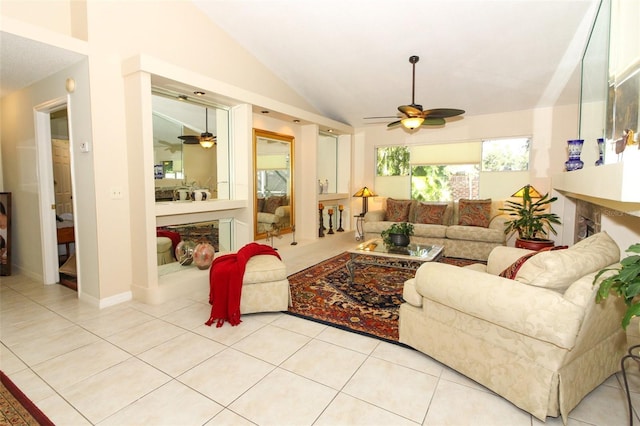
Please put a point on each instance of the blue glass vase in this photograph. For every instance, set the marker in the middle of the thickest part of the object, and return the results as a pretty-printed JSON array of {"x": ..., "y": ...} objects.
[
  {"x": 600, "y": 160},
  {"x": 575, "y": 149}
]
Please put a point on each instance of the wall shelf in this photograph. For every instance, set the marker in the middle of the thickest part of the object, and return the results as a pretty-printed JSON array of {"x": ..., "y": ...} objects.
[
  {"x": 333, "y": 197},
  {"x": 611, "y": 185}
]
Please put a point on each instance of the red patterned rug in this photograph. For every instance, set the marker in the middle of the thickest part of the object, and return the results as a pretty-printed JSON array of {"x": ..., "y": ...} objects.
[{"x": 368, "y": 304}]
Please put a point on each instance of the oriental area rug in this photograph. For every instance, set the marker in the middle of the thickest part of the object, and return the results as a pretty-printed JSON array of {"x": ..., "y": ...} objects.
[{"x": 367, "y": 304}]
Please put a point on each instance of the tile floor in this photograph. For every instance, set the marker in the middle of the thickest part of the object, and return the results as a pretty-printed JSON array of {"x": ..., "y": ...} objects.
[{"x": 159, "y": 365}]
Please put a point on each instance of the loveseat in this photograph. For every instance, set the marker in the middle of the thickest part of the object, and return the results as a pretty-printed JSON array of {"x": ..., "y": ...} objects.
[
  {"x": 469, "y": 233},
  {"x": 274, "y": 210},
  {"x": 535, "y": 335}
]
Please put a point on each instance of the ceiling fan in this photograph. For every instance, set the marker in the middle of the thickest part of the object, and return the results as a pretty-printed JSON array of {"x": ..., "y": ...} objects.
[
  {"x": 415, "y": 116},
  {"x": 206, "y": 139},
  {"x": 171, "y": 147}
]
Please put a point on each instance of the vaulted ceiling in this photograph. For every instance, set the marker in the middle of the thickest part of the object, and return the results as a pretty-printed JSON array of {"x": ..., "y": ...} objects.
[{"x": 350, "y": 59}]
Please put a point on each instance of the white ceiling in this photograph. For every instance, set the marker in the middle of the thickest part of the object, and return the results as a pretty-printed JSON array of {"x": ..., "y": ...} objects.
[{"x": 350, "y": 58}]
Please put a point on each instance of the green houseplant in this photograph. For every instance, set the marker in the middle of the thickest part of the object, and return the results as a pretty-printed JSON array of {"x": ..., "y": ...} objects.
[
  {"x": 397, "y": 234},
  {"x": 531, "y": 220},
  {"x": 624, "y": 283}
]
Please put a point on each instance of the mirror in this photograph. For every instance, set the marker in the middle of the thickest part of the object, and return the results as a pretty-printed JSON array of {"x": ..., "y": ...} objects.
[
  {"x": 327, "y": 165},
  {"x": 273, "y": 174},
  {"x": 186, "y": 164}
]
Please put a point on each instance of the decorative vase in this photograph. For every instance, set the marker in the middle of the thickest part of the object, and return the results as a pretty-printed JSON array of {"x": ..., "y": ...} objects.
[
  {"x": 184, "y": 252},
  {"x": 203, "y": 255},
  {"x": 535, "y": 245},
  {"x": 400, "y": 240},
  {"x": 575, "y": 149},
  {"x": 600, "y": 160}
]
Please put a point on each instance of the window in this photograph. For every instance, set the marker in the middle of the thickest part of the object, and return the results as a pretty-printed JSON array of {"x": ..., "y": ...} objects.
[
  {"x": 445, "y": 182},
  {"x": 500, "y": 155},
  {"x": 392, "y": 161}
]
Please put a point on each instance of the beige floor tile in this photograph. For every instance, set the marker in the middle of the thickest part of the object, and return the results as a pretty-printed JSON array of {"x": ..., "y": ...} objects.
[
  {"x": 226, "y": 376},
  {"x": 347, "y": 410},
  {"x": 35, "y": 324},
  {"x": 272, "y": 344},
  {"x": 228, "y": 418},
  {"x": 162, "y": 309},
  {"x": 453, "y": 402},
  {"x": 60, "y": 412},
  {"x": 172, "y": 404},
  {"x": 190, "y": 317},
  {"x": 325, "y": 363},
  {"x": 349, "y": 340},
  {"x": 31, "y": 385},
  {"x": 9, "y": 362},
  {"x": 408, "y": 357},
  {"x": 79, "y": 364},
  {"x": 392, "y": 387},
  {"x": 299, "y": 325},
  {"x": 182, "y": 353},
  {"x": 145, "y": 336},
  {"x": 53, "y": 344},
  {"x": 605, "y": 405},
  {"x": 109, "y": 391},
  {"x": 227, "y": 334},
  {"x": 283, "y": 398},
  {"x": 115, "y": 321}
]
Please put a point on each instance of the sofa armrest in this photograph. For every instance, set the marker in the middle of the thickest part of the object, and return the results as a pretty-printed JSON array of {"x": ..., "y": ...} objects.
[
  {"x": 283, "y": 211},
  {"x": 498, "y": 222},
  {"x": 374, "y": 216},
  {"x": 263, "y": 217},
  {"x": 539, "y": 313},
  {"x": 502, "y": 256}
]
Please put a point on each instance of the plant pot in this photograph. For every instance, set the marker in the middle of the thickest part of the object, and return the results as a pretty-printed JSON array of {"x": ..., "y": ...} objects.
[
  {"x": 533, "y": 244},
  {"x": 400, "y": 240}
]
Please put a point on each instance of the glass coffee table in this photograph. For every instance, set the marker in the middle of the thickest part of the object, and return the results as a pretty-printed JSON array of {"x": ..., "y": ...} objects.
[{"x": 375, "y": 252}]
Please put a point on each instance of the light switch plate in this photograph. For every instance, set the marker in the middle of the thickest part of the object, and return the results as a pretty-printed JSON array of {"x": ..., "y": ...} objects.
[{"x": 84, "y": 146}]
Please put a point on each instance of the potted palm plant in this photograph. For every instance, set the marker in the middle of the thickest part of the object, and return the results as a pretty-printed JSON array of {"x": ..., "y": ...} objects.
[
  {"x": 397, "y": 234},
  {"x": 625, "y": 283},
  {"x": 531, "y": 220}
]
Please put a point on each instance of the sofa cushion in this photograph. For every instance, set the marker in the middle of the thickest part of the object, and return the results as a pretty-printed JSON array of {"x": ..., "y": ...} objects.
[
  {"x": 474, "y": 212},
  {"x": 398, "y": 210},
  {"x": 475, "y": 233},
  {"x": 430, "y": 213},
  {"x": 512, "y": 270},
  {"x": 428, "y": 230},
  {"x": 558, "y": 269},
  {"x": 272, "y": 203}
]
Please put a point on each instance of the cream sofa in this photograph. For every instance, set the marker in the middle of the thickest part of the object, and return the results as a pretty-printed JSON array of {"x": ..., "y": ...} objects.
[
  {"x": 467, "y": 242},
  {"x": 538, "y": 340}
]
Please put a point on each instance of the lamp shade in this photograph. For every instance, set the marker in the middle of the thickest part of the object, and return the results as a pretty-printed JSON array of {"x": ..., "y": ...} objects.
[
  {"x": 533, "y": 193},
  {"x": 412, "y": 122},
  {"x": 207, "y": 142},
  {"x": 364, "y": 192}
]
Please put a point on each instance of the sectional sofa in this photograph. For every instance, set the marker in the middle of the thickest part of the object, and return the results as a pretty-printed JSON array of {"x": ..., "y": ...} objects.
[{"x": 467, "y": 229}]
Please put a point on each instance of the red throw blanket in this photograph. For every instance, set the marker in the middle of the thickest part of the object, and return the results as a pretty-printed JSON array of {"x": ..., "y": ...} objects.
[{"x": 225, "y": 283}]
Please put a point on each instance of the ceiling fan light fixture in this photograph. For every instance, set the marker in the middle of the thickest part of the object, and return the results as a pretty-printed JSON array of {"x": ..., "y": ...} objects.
[
  {"x": 412, "y": 122},
  {"x": 207, "y": 142}
]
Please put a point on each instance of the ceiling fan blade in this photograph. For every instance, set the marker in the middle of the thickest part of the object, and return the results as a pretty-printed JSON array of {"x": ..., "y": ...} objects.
[
  {"x": 189, "y": 139},
  {"x": 430, "y": 121},
  {"x": 394, "y": 124},
  {"x": 410, "y": 110},
  {"x": 443, "y": 112}
]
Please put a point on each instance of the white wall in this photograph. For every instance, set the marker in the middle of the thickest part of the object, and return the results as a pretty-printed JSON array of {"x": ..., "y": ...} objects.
[{"x": 549, "y": 129}]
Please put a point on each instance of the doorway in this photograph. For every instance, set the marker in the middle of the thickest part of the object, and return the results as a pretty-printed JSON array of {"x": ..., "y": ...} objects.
[
  {"x": 57, "y": 202},
  {"x": 63, "y": 194}
]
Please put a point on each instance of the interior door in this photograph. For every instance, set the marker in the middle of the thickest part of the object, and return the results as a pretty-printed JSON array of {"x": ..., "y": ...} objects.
[{"x": 62, "y": 176}]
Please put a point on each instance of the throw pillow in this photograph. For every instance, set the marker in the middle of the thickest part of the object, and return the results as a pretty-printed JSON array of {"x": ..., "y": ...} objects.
[
  {"x": 512, "y": 270},
  {"x": 398, "y": 210},
  {"x": 260, "y": 204},
  {"x": 430, "y": 213},
  {"x": 272, "y": 203},
  {"x": 474, "y": 212}
]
